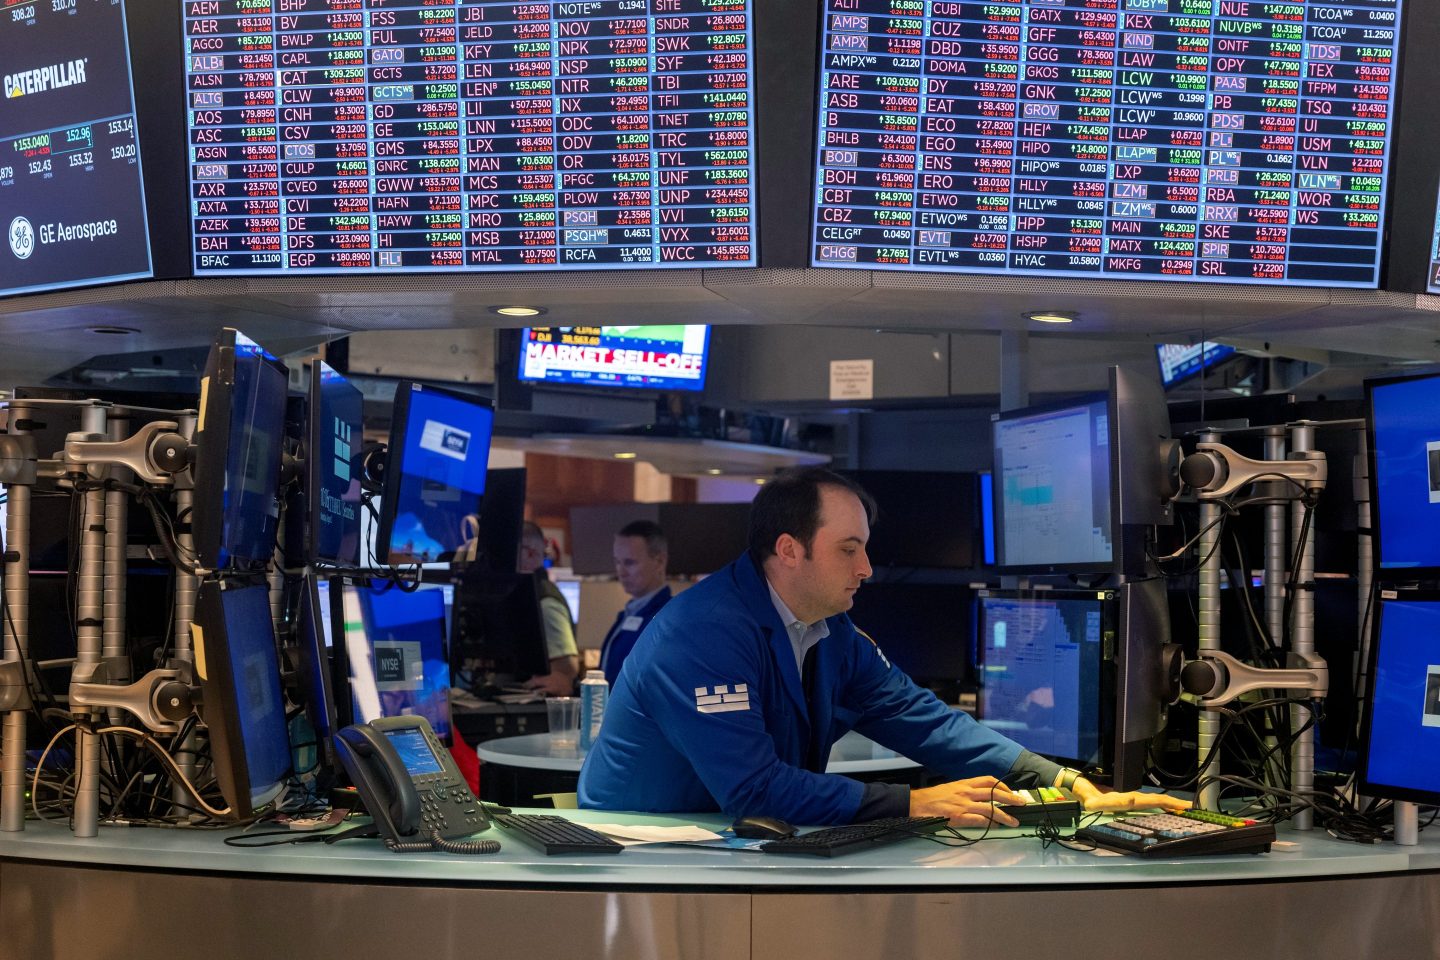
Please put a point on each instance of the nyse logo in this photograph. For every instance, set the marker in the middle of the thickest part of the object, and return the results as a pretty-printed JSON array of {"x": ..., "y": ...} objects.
[
  {"x": 22, "y": 238},
  {"x": 389, "y": 665},
  {"x": 457, "y": 441},
  {"x": 445, "y": 440},
  {"x": 342, "y": 450}
]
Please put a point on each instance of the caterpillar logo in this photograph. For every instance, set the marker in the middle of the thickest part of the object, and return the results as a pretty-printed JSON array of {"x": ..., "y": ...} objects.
[{"x": 45, "y": 78}]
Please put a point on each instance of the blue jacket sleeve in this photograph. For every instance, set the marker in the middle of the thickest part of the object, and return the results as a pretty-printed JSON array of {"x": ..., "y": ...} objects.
[
  {"x": 730, "y": 746},
  {"x": 911, "y": 720}
]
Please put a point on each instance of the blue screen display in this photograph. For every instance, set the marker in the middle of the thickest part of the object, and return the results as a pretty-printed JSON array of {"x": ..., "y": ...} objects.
[
  {"x": 251, "y": 642},
  {"x": 1404, "y": 712},
  {"x": 336, "y": 441},
  {"x": 1181, "y": 361},
  {"x": 440, "y": 478},
  {"x": 252, "y": 464},
  {"x": 1039, "y": 665},
  {"x": 1406, "y": 444},
  {"x": 414, "y": 752},
  {"x": 660, "y": 357},
  {"x": 987, "y": 516},
  {"x": 398, "y": 660}
]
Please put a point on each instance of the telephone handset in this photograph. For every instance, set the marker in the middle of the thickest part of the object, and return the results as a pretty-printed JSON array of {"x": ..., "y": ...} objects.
[{"x": 411, "y": 787}]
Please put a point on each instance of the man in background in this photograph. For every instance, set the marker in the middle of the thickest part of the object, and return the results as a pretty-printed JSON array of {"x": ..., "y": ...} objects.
[
  {"x": 640, "y": 557},
  {"x": 555, "y": 614}
]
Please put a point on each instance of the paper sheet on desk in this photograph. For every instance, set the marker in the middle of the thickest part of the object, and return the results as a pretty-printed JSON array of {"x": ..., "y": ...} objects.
[{"x": 632, "y": 834}]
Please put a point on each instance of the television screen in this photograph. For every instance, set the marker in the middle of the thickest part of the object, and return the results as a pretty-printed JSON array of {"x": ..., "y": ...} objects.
[
  {"x": 434, "y": 474},
  {"x": 1244, "y": 143},
  {"x": 1181, "y": 361},
  {"x": 332, "y": 488},
  {"x": 72, "y": 202},
  {"x": 1401, "y": 721},
  {"x": 1052, "y": 488},
  {"x": 659, "y": 357},
  {"x": 485, "y": 136},
  {"x": 1404, "y": 446},
  {"x": 395, "y": 645}
]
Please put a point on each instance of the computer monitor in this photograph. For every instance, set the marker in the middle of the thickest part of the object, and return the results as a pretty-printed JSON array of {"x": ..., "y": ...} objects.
[
  {"x": 1040, "y": 659},
  {"x": 570, "y": 590},
  {"x": 1180, "y": 362},
  {"x": 332, "y": 468},
  {"x": 237, "y": 454},
  {"x": 242, "y": 704},
  {"x": 924, "y": 628},
  {"x": 1054, "y": 495},
  {"x": 1400, "y": 722},
  {"x": 502, "y": 517},
  {"x": 1404, "y": 441},
  {"x": 313, "y": 663},
  {"x": 924, "y": 518},
  {"x": 659, "y": 357},
  {"x": 987, "y": 516},
  {"x": 499, "y": 632},
  {"x": 396, "y": 656},
  {"x": 434, "y": 474}
]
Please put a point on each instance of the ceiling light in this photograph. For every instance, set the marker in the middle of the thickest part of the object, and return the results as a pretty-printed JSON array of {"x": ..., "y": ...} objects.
[
  {"x": 518, "y": 311},
  {"x": 110, "y": 330},
  {"x": 713, "y": 472},
  {"x": 760, "y": 481},
  {"x": 1051, "y": 316},
  {"x": 626, "y": 456}
]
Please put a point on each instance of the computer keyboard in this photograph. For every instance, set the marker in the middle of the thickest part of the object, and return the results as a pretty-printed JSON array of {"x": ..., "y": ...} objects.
[
  {"x": 1191, "y": 833},
  {"x": 554, "y": 834},
  {"x": 835, "y": 841}
]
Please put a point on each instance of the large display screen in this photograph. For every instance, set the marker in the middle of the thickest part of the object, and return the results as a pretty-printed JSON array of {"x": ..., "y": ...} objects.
[
  {"x": 1405, "y": 474},
  {"x": 1181, "y": 361},
  {"x": 433, "y": 135},
  {"x": 1223, "y": 140},
  {"x": 657, "y": 357},
  {"x": 1402, "y": 716},
  {"x": 72, "y": 203}
]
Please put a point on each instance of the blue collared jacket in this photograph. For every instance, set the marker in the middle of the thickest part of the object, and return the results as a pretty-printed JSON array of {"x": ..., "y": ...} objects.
[{"x": 710, "y": 714}]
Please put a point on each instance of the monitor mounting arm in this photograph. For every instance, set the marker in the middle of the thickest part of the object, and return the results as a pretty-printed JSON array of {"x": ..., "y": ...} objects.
[
  {"x": 1214, "y": 471},
  {"x": 1217, "y": 678},
  {"x": 162, "y": 699},
  {"x": 156, "y": 452}
]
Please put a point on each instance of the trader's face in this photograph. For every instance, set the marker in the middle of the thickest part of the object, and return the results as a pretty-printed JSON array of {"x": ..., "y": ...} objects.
[
  {"x": 638, "y": 572},
  {"x": 826, "y": 579}
]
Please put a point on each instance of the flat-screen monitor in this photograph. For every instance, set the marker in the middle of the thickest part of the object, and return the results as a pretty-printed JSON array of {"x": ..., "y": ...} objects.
[
  {"x": 1180, "y": 362},
  {"x": 987, "y": 516},
  {"x": 313, "y": 655},
  {"x": 662, "y": 357},
  {"x": 924, "y": 628},
  {"x": 1400, "y": 723},
  {"x": 923, "y": 518},
  {"x": 1155, "y": 141},
  {"x": 499, "y": 632},
  {"x": 434, "y": 474},
  {"x": 395, "y": 648},
  {"x": 479, "y": 137},
  {"x": 1432, "y": 275},
  {"x": 332, "y": 467},
  {"x": 243, "y": 707},
  {"x": 72, "y": 201},
  {"x": 1054, "y": 507},
  {"x": 502, "y": 519},
  {"x": 1404, "y": 441},
  {"x": 570, "y": 590},
  {"x": 1040, "y": 659},
  {"x": 238, "y": 441}
]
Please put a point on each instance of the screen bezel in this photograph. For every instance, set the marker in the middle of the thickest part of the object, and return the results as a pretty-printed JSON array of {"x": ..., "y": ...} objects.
[
  {"x": 1383, "y": 573},
  {"x": 1364, "y": 784},
  {"x": 997, "y": 484}
]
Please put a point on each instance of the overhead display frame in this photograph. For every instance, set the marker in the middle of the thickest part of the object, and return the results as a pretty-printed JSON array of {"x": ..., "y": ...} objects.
[
  {"x": 72, "y": 202},
  {"x": 1192, "y": 140},
  {"x": 330, "y": 136}
]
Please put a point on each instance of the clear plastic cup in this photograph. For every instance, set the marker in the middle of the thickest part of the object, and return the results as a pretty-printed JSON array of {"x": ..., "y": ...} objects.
[{"x": 564, "y": 716}]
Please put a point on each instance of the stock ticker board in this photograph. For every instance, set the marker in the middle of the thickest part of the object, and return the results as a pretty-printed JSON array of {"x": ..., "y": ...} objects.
[
  {"x": 434, "y": 135},
  {"x": 1193, "y": 140},
  {"x": 72, "y": 202}
]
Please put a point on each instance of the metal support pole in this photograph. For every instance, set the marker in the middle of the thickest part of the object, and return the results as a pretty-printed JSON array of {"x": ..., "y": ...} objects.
[
  {"x": 1276, "y": 543},
  {"x": 1364, "y": 561},
  {"x": 16, "y": 599},
  {"x": 117, "y": 504},
  {"x": 89, "y": 637},
  {"x": 186, "y": 586},
  {"x": 1302, "y": 636},
  {"x": 1208, "y": 723}
]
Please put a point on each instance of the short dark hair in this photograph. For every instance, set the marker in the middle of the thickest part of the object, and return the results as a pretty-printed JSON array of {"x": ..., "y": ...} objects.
[
  {"x": 530, "y": 530},
  {"x": 650, "y": 532},
  {"x": 790, "y": 503}
]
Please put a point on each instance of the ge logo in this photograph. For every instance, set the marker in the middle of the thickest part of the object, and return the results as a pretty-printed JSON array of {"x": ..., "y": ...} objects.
[{"x": 22, "y": 238}]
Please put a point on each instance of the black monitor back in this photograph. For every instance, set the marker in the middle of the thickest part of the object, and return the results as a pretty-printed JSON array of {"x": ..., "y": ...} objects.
[
  {"x": 498, "y": 631},
  {"x": 923, "y": 518},
  {"x": 926, "y": 629}
]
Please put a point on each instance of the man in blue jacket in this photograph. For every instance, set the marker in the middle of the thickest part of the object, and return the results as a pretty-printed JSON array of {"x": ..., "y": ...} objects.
[
  {"x": 641, "y": 554},
  {"x": 735, "y": 693}
]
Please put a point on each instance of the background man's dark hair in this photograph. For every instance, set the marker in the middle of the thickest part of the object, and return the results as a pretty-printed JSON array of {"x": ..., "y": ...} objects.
[
  {"x": 790, "y": 503},
  {"x": 650, "y": 532}
]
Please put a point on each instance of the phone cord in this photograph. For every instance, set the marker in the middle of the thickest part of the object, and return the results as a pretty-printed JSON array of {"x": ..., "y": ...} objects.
[{"x": 437, "y": 842}]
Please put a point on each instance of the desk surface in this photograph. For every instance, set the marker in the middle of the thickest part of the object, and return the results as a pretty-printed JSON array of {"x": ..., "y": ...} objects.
[
  {"x": 852, "y": 753},
  {"x": 1005, "y": 859}
]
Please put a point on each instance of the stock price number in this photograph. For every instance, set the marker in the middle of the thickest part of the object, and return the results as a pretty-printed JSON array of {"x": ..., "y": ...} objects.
[
  {"x": 25, "y": 14},
  {"x": 7, "y": 176},
  {"x": 84, "y": 159},
  {"x": 61, "y": 6},
  {"x": 124, "y": 151},
  {"x": 41, "y": 166}
]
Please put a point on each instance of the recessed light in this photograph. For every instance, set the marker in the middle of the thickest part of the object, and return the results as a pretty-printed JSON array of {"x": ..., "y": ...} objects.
[
  {"x": 626, "y": 456},
  {"x": 112, "y": 331},
  {"x": 518, "y": 311},
  {"x": 760, "y": 481},
  {"x": 713, "y": 472},
  {"x": 1051, "y": 316}
]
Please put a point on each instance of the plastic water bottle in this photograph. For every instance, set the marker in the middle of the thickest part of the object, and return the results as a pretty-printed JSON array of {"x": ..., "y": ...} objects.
[{"x": 594, "y": 691}]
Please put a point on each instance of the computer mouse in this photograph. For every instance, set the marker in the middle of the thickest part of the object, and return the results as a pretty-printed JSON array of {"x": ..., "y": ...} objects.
[{"x": 762, "y": 828}]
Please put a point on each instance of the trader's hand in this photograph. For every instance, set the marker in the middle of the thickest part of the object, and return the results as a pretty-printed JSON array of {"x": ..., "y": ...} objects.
[
  {"x": 552, "y": 685},
  {"x": 1096, "y": 800},
  {"x": 966, "y": 802}
]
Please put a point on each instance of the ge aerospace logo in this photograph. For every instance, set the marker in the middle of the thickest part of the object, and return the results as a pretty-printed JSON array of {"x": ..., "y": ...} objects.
[{"x": 22, "y": 238}]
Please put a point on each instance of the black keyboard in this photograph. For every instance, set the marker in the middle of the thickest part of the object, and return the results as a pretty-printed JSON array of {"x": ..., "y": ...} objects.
[
  {"x": 556, "y": 834},
  {"x": 835, "y": 841},
  {"x": 1192, "y": 833}
]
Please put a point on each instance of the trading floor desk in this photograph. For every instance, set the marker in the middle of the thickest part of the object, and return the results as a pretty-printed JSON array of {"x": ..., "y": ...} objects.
[{"x": 180, "y": 894}]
